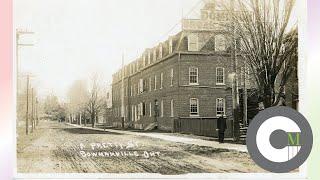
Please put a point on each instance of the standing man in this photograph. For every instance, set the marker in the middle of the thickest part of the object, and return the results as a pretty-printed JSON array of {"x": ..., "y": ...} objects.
[{"x": 222, "y": 126}]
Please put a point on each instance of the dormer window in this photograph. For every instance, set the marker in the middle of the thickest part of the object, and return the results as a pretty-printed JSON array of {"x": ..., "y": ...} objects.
[
  {"x": 130, "y": 68},
  {"x": 144, "y": 60},
  {"x": 137, "y": 66},
  {"x": 170, "y": 46},
  {"x": 134, "y": 68},
  {"x": 149, "y": 57},
  {"x": 193, "y": 42},
  {"x": 220, "y": 43},
  {"x": 160, "y": 51},
  {"x": 154, "y": 55}
]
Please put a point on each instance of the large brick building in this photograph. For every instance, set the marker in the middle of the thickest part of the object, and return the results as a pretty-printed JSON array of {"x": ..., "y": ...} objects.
[{"x": 189, "y": 76}]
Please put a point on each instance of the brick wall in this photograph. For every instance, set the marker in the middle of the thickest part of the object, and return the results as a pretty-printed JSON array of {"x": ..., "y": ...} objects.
[{"x": 207, "y": 91}]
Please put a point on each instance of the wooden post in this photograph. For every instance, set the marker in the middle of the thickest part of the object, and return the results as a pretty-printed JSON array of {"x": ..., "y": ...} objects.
[
  {"x": 245, "y": 98},
  {"x": 32, "y": 111},
  {"x": 27, "y": 113},
  {"x": 235, "y": 90},
  {"x": 37, "y": 109}
]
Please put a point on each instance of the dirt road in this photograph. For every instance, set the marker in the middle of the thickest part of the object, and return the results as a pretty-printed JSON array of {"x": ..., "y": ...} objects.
[{"x": 59, "y": 148}]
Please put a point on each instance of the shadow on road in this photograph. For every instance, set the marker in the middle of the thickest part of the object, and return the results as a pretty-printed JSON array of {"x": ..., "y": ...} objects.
[{"x": 87, "y": 131}]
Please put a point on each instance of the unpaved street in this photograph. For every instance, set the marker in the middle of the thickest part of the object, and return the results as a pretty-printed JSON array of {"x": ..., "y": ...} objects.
[{"x": 59, "y": 148}]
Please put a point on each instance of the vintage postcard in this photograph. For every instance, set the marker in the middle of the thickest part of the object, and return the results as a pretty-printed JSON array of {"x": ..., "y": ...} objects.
[{"x": 147, "y": 88}]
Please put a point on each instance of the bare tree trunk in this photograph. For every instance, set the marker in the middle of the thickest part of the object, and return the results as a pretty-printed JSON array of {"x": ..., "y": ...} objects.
[{"x": 93, "y": 118}]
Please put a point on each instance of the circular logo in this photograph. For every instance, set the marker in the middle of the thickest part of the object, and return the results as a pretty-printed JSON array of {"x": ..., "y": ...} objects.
[{"x": 279, "y": 139}]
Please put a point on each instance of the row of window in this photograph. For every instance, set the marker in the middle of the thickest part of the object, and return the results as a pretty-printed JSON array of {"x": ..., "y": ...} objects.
[
  {"x": 147, "y": 59},
  {"x": 157, "y": 53},
  {"x": 219, "y": 42},
  {"x": 194, "y": 107},
  {"x": 142, "y": 85},
  {"x": 194, "y": 76},
  {"x": 142, "y": 109}
]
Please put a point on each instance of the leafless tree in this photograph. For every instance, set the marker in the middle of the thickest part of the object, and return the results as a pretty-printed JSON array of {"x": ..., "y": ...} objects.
[
  {"x": 77, "y": 97},
  {"x": 95, "y": 101},
  {"x": 269, "y": 45}
]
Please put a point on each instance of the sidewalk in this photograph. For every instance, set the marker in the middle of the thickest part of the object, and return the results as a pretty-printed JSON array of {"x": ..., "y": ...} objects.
[{"x": 174, "y": 138}]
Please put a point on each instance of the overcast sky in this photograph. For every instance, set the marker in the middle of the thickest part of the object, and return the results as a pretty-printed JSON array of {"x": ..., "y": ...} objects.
[{"x": 75, "y": 38}]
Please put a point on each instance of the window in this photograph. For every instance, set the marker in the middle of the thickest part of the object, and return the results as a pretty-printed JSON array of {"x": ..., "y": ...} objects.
[
  {"x": 171, "y": 108},
  {"x": 155, "y": 82},
  {"x": 132, "y": 113},
  {"x": 144, "y": 109},
  {"x": 193, "y": 75},
  {"x": 133, "y": 68},
  {"x": 161, "y": 108},
  {"x": 154, "y": 55},
  {"x": 149, "y": 57},
  {"x": 193, "y": 42},
  {"x": 150, "y": 109},
  {"x": 220, "y": 104},
  {"x": 160, "y": 51},
  {"x": 161, "y": 80},
  {"x": 126, "y": 112},
  {"x": 219, "y": 43},
  {"x": 171, "y": 77},
  {"x": 137, "y": 66},
  {"x": 220, "y": 76},
  {"x": 134, "y": 89},
  {"x": 139, "y": 110},
  {"x": 170, "y": 46},
  {"x": 131, "y": 91},
  {"x": 140, "y": 86},
  {"x": 150, "y": 85},
  {"x": 194, "y": 110},
  {"x": 135, "y": 113},
  {"x": 144, "y": 60},
  {"x": 138, "y": 89}
]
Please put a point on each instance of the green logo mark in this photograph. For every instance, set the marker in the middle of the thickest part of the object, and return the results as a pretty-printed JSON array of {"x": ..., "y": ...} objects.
[{"x": 294, "y": 138}]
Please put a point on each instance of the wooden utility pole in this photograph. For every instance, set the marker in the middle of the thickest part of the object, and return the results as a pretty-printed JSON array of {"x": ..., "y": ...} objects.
[
  {"x": 27, "y": 113},
  {"x": 122, "y": 93},
  {"x": 245, "y": 97},
  {"x": 37, "y": 109},
  {"x": 18, "y": 34},
  {"x": 235, "y": 88},
  {"x": 32, "y": 111}
]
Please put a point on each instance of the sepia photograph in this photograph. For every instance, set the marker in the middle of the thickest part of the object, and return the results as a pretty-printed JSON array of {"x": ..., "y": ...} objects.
[{"x": 164, "y": 87}]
